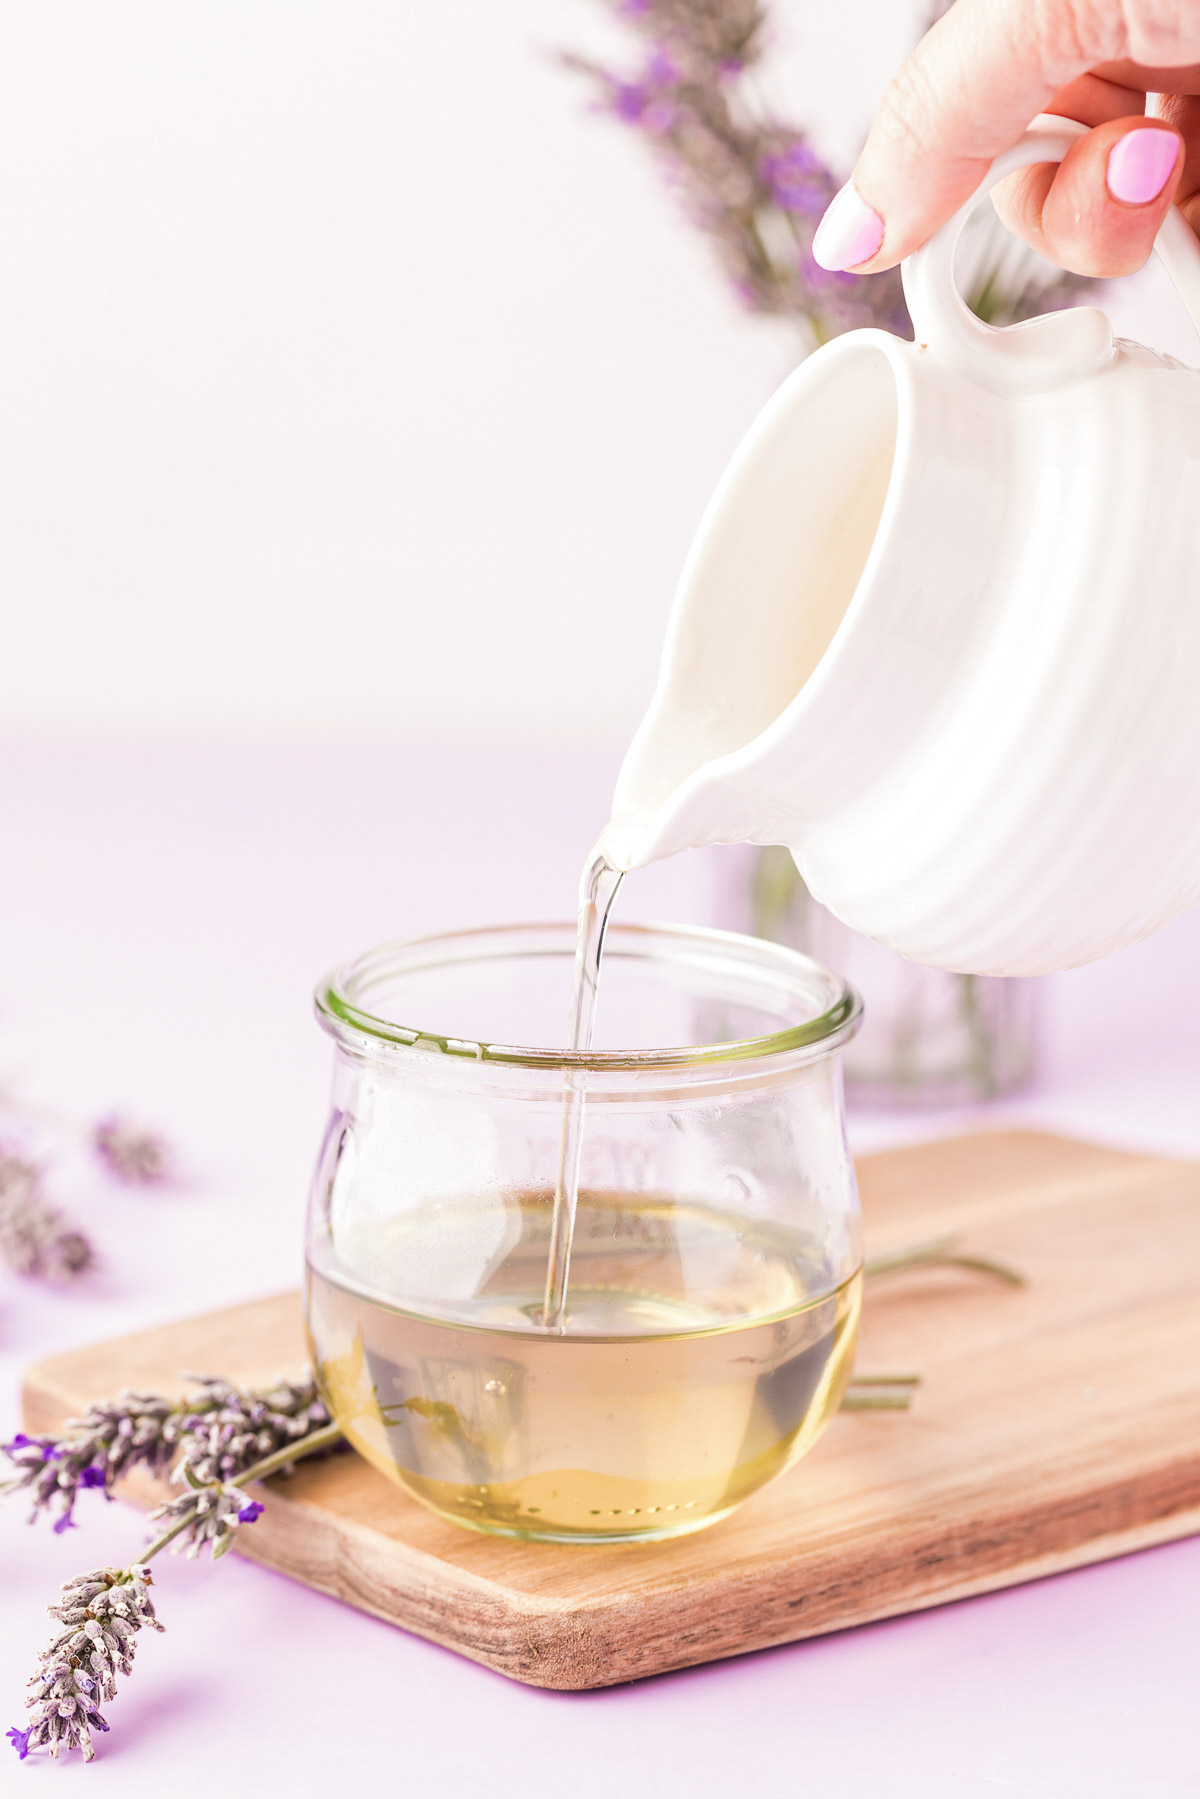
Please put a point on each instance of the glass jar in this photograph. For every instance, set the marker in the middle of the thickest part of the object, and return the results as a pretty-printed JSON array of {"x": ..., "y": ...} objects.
[{"x": 715, "y": 1274}]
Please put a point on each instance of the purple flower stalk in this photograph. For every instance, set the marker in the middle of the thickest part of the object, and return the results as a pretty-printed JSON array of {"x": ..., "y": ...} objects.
[
  {"x": 102, "y": 1613},
  {"x": 131, "y": 1155},
  {"x": 225, "y": 1438},
  {"x": 95, "y": 1451},
  {"x": 216, "y": 1433},
  {"x": 35, "y": 1237},
  {"x": 208, "y": 1516}
]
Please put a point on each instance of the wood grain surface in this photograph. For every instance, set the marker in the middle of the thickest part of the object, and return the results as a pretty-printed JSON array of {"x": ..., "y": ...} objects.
[{"x": 1056, "y": 1425}]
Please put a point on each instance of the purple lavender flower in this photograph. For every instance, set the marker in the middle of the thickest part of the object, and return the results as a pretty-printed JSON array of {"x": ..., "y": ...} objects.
[
  {"x": 35, "y": 1237},
  {"x": 46, "y": 1445},
  {"x": 241, "y": 1429},
  {"x": 207, "y": 1514},
  {"x": 102, "y": 1613},
  {"x": 217, "y": 1433},
  {"x": 94, "y": 1451},
  {"x": 628, "y": 100},
  {"x": 662, "y": 70},
  {"x": 238, "y": 1428},
  {"x": 221, "y": 1436},
  {"x": 799, "y": 181},
  {"x": 132, "y": 1155}
]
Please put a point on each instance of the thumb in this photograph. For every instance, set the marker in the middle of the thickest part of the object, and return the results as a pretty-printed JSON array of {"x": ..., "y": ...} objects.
[{"x": 968, "y": 91}]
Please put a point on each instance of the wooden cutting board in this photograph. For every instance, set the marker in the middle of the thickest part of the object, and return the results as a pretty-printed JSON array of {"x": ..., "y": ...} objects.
[{"x": 1056, "y": 1425}]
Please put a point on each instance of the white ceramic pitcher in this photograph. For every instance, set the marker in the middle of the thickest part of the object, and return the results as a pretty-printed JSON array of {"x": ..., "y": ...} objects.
[{"x": 939, "y": 632}]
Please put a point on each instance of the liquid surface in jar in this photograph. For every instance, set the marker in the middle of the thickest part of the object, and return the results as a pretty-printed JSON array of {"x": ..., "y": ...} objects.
[{"x": 700, "y": 1356}]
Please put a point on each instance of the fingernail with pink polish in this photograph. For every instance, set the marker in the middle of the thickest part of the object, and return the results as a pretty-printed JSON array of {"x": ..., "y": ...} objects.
[
  {"x": 1140, "y": 164},
  {"x": 851, "y": 231}
]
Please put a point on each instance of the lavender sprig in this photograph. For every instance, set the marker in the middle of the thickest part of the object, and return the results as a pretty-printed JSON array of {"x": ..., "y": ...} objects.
[
  {"x": 35, "y": 1236},
  {"x": 217, "y": 1433},
  {"x": 210, "y": 1512},
  {"x": 210, "y": 1515},
  {"x": 97, "y": 1450},
  {"x": 104, "y": 1609},
  {"x": 240, "y": 1430},
  {"x": 229, "y": 1428},
  {"x": 131, "y": 1154},
  {"x": 749, "y": 180}
]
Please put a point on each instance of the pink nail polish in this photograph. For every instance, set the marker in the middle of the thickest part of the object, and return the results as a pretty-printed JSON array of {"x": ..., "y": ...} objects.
[
  {"x": 851, "y": 231},
  {"x": 1140, "y": 164}
]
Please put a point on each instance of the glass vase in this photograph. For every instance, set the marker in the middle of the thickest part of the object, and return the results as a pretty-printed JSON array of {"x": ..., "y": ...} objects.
[{"x": 929, "y": 1038}]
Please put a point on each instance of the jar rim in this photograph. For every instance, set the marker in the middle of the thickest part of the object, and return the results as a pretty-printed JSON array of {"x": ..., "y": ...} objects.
[{"x": 340, "y": 1013}]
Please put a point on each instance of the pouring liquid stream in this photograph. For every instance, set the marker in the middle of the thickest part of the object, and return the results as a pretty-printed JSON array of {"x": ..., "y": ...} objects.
[{"x": 597, "y": 891}]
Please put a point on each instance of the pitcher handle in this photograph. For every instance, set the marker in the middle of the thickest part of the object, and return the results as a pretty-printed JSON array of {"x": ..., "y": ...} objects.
[{"x": 1038, "y": 353}]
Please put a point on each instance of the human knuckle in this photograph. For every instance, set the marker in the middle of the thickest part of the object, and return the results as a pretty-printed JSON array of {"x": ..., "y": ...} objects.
[
  {"x": 913, "y": 110},
  {"x": 1161, "y": 33},
  {"x": 1085, "y": 255},
  {"x": 901, "y": 117},
  {"x": 1064, "y": 38}
]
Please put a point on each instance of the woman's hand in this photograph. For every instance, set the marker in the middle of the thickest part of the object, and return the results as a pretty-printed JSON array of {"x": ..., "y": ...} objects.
[{"x": 972, "y": 86}]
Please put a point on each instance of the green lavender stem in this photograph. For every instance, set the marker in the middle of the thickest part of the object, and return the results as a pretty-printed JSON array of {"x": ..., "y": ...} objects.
[
  {"x": 880, "y": 1392},
  {"x": 893, "y": 1392},
  {"x": 940, "y": 1253},
  {"x": 876, "y": 1402}
]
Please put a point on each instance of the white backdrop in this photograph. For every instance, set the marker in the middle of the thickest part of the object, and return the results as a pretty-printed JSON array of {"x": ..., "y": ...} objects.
[{"x": 354, "y": 378}]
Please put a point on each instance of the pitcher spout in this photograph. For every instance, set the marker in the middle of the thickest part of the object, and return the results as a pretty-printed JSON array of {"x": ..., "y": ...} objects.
[{"x": 722, "y": 755}]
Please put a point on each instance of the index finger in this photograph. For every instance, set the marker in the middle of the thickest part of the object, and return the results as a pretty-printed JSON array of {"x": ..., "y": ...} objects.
[{"x": 967, "y": 92}]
